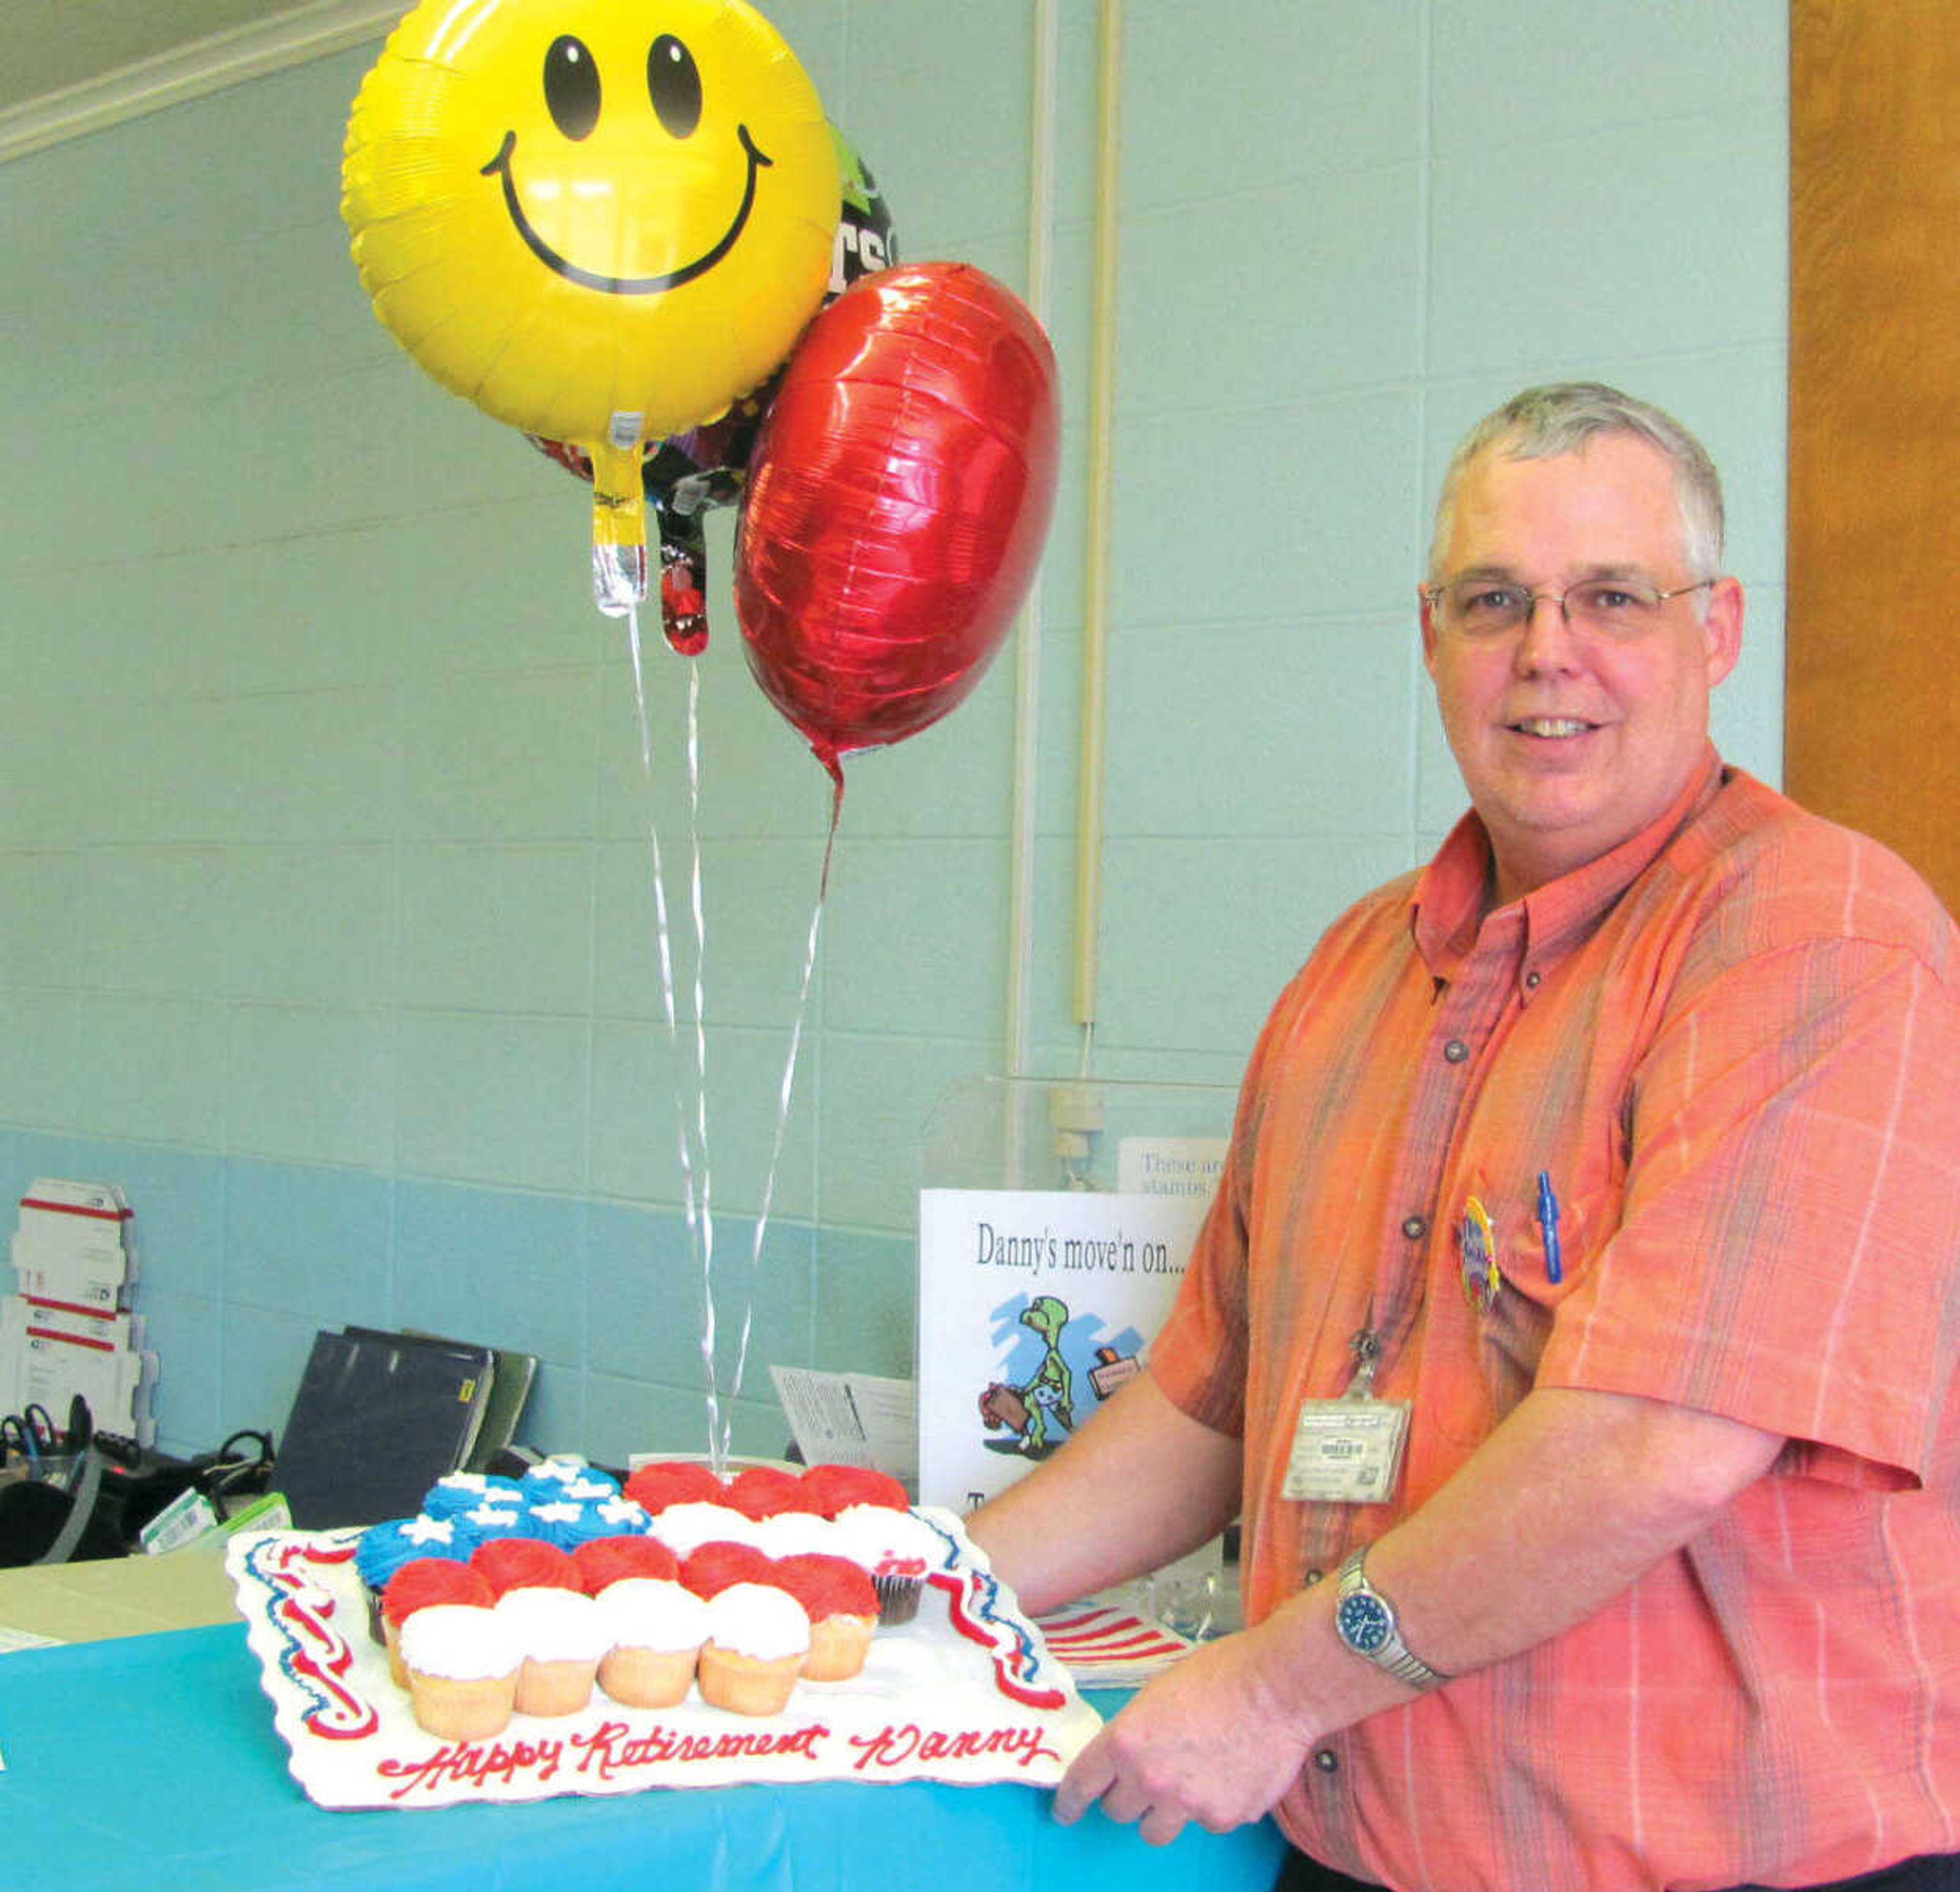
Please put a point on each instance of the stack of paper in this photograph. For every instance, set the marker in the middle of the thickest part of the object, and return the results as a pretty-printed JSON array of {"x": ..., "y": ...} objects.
[
  {"x": 1104, "y": 1647},
  {"x": 71, "y": 1329}
]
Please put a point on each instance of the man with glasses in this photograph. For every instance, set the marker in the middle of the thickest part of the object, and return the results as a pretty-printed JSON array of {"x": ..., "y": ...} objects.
[{"x": 1574, "y": 1329}]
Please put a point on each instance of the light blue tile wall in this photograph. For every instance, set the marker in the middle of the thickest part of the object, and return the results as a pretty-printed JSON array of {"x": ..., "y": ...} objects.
[{"x": 327, "y": 918}]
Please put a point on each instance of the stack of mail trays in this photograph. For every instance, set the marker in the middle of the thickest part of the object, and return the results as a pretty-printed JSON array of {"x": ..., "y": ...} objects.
[{"x": 70, "y": 1329}]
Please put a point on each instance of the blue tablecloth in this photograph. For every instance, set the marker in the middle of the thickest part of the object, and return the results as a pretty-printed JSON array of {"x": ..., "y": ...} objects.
[{"x": 152, "y": 1762}]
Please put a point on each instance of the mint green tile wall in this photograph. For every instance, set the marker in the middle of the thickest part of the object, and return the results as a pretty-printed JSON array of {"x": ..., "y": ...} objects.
[{"x": 327, "y": 914}]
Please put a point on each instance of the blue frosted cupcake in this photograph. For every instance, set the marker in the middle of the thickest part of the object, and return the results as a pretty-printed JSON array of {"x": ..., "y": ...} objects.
[
  {"x": 548, "y": 1477},
  {"x": 491, "y": 1519},
  {"x": 465, "y": 1491},
  {"x": 384, "y": 1548},
  {"x": 567, "y": 1522},
  {"x": 622, "y": 1517}
]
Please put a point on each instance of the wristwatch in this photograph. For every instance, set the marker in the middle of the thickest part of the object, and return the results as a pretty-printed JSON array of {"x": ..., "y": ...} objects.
[{"x": 1365, "y": 1621}]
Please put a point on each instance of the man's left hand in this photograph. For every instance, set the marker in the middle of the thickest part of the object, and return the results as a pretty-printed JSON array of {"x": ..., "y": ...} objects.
[{"x": 1206, "y": 1741}]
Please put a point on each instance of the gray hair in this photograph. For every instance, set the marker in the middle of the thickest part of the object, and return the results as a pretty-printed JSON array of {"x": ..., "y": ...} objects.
[{"x": 1561, "y": 418}]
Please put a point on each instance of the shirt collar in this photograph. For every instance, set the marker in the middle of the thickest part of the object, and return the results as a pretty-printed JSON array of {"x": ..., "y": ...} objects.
[{"x": 1446, "y": 910}]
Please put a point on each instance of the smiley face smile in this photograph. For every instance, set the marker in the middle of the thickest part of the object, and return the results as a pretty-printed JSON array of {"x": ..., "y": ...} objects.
[{"x": 499, "y": 167}]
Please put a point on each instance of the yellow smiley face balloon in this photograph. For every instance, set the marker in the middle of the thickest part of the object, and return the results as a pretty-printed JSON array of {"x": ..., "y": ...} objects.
[{"x": 601, "y": 220}]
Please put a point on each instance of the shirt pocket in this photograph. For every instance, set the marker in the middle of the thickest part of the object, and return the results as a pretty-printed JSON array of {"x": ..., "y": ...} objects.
[{"x": 1511, "y": 1332}]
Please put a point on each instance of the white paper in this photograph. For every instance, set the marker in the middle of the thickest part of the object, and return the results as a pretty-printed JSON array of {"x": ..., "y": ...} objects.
[
  {"x": 851, "y": 1418},
  {"x": 1034, "y": 1305}
]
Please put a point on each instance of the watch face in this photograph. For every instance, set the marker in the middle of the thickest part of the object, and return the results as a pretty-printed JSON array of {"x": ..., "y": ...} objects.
[{"x": 1363, "y": 1622}]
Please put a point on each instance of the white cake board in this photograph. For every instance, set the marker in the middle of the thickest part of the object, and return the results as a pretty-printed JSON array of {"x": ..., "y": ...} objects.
[{"x": 966, "y": 1694}]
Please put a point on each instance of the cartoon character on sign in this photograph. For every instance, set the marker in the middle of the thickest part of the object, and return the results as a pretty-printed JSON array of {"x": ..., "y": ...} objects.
[
  {"x": 600, "y": 223},
  {"x": 1047, "y": 1395}
]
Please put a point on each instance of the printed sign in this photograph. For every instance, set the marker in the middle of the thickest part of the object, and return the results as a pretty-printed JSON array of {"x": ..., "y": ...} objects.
[{"x": 1035, "y": 1306}]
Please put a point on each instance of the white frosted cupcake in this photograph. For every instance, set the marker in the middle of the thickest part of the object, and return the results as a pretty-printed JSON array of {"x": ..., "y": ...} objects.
[
  {"x": 757, "y": 1638},
  {"x": 463, "y": 1663},
  {"x": 655, "y": 1628},
  {"x": 562, "y": 1635},
  {"x": 798, "y": 1534},
  {"x": 685, "y": 1527},
  {"x": 897, "y": 1547}
]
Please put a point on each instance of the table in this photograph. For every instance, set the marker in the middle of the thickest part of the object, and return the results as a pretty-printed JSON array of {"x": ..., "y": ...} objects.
[{"x": 152, "y": 1761}]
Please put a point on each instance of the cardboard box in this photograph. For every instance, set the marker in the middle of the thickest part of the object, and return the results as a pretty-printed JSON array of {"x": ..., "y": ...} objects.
[
  {"x": 74, "y": 1245},
  {"x": 42, "y": 1364},
  {"x": 117, "y": 1596}
]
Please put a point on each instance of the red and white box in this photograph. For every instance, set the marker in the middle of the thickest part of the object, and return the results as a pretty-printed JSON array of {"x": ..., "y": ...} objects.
[
  {"x": 74, "y": 1244},
  {"x": 70, "y": 1330}
]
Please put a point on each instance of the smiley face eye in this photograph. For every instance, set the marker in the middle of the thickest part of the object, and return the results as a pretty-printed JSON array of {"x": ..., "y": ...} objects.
[
  {"x": 571, "y": 87},
  {"x": 673, "y": 83}
]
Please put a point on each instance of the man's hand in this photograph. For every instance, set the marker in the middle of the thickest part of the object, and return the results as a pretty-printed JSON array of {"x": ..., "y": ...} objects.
[{"x": 1206, "y": 1741}]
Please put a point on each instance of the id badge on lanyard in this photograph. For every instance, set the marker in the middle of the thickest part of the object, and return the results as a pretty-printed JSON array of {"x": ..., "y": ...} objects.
[{"x": 1349, "y": 1450}]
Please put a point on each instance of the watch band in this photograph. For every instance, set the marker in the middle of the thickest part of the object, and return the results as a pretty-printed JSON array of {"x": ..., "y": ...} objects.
[{"x": 1365, "y": 1621}]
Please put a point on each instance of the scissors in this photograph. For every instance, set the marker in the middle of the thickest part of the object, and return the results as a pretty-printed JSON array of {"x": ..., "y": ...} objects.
[{"x": 30, "y": 1431}]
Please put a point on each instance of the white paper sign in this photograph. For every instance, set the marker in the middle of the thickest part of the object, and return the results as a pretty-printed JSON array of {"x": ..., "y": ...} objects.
[
  {"x": 850, "y": 1418},
  {"x": 1034, "y": 1305}
]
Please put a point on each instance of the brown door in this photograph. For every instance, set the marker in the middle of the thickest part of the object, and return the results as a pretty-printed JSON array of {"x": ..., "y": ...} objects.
[{"x": 1871, "y": 718}]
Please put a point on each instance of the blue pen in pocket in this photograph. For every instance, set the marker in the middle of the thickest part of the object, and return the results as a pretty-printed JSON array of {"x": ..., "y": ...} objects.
[{"x": 1547, "y": 1222}]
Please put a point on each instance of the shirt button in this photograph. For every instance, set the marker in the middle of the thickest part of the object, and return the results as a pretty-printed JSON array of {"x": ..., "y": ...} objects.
[
  {"x": 1312, "y": 1577},
  {"x": 1533, "y": 979},
  {"x": 1456, "y": 1051},
  {"x": 1326, "y": 1759},
  {"x": 1415, "y": 1227}
]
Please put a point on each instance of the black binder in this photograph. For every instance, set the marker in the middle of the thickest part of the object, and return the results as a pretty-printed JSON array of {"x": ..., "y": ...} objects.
[{"x": 377, "y": 1419}]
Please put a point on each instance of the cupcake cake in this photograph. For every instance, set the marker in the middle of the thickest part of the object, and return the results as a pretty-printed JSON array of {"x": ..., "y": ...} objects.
[
  {"x": 548, "y": 1477},
  {"x": 621, "y": 1517},
  {"x": 716, "y": 1567},
  {"x": 602, "y": 1561},
  {"x": 827, "y": 1489},
  {"x": 567, "y": 1522},
  {"x": 462, "y": 1667},
  {"x": 562, "y": 1635},
  {"x": 757, "y": 1638},
  {"x": 495, "y": 1517},
  {"x": 797, "y": 1533},
  {"x": 763, "y": 1491},
  {"x": 465, "y": 1491},
  {"x": 384, "y": 1548},
  {"x": 655, "y": 1629},
  {"x": 686, "y": 1526},
  {"x": 673, "y": 1481},
  {"x": 842, "y": 1606},
  {"x": 427, "y": 1583},
  {"x": 896, "y": 1547},
  {"x": 520, "y": 1563}
]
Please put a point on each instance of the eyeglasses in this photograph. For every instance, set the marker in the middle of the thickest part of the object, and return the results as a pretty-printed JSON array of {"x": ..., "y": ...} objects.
[{"x": 1491, "y": 607}]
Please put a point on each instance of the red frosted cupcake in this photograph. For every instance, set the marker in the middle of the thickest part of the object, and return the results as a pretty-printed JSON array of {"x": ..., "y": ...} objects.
[
  {"x": 602, "y": 1560},
  {"x": 842, "y": 1603},
  {"x": 419, "y": 1584},
  {"x": 714, "y": 1567},
  {"x": 675, "y": 1481},
  {"x": 520, "y": 1563},
  {"x": 765, "y": 1491},
  {"x": 828, "y": 1489}
]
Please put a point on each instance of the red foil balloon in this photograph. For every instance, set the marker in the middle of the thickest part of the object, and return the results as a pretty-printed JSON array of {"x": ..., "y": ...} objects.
[{"x": 899, "y": 496}]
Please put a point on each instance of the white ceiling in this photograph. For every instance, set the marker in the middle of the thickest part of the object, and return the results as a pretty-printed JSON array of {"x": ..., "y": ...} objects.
[
  {"x": 73, "y": 66},
  {"x": 53, "y": 45}
]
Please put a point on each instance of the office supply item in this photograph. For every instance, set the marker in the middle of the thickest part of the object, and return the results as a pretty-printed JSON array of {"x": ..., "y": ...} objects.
[
  {"x": 512, "y": 1375},
  {"x": 377, "y": 1418},
  {"x": 1547, "y": 1222}
]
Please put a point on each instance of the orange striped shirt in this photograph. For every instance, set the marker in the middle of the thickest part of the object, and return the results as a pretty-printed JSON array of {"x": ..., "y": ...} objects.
[{"x": 1732, "y": 1045}]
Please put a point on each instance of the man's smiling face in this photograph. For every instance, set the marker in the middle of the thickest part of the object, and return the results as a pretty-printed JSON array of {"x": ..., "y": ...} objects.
[{"x": 1571, "y": 742}]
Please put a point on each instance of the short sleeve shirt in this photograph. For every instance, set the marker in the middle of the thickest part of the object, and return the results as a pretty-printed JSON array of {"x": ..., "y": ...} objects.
[{"x": 1731, "y": 1050}]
